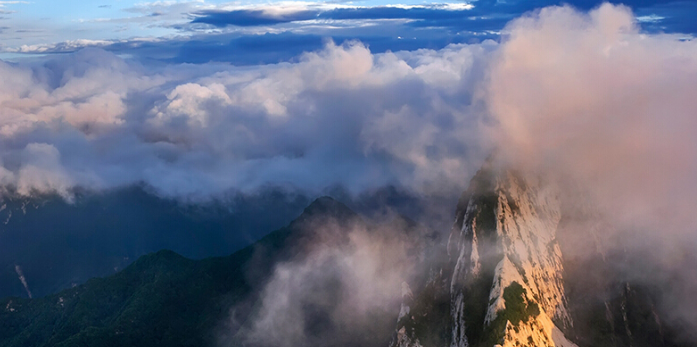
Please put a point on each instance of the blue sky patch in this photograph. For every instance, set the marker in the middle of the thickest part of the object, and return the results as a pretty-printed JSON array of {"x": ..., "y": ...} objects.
[{"x": 254, "y": 32}]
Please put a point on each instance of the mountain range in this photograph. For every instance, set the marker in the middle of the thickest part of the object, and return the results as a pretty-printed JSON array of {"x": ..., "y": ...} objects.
[
  {"x": 506, "y": 275},
  {"x": 55, "y": 244}
]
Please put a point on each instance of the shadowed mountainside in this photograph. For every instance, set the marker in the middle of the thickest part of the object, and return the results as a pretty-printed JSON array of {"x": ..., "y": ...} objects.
[
  {"x": 56, "y": 244},
  {"x": 164, "y": 299}
]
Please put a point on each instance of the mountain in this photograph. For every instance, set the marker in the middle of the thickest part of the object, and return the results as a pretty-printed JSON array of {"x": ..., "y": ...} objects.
[
  {"x": 507, "y": 282},
  {"x": 164, "y": 299},
  {"x": 509, "y": 274},
  {"x": 48, "y": 244}
]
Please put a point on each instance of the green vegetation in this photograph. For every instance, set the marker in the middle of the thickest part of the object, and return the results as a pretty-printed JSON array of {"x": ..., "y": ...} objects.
[
  {"x": 516, "y": 311},
  {"x": 476, "y": 301},
  {"x": 60, "y": 244},
  {"x": 162, "y": 299}
]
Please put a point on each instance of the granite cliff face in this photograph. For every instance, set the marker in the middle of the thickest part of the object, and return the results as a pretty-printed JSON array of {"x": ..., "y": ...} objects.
[{"x": 502, "y": 279}]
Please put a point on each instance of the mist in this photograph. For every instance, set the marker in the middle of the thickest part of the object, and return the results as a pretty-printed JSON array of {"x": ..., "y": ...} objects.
[
  {"x": 609, "y": 113},
  {"x": 339, "y": 282}
]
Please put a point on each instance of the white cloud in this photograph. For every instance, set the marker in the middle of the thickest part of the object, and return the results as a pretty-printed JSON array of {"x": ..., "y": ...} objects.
[
  {"x": 42, "y": 170},
  {"x": 3, "y": 3},
  {"x": 603, "y": 102},
  {"x": 588, "y": 96},
  {"x": 332, "y": 118},
  {"x": 346, "y": 278}
]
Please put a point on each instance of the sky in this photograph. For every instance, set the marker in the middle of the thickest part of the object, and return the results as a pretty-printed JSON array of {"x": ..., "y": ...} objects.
[{"x": 253, "y": 32}]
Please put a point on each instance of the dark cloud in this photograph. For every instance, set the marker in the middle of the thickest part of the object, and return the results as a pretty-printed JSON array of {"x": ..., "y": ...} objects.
[
  {"x": 250, "y": 17},
  {"x": 484, "y": 16},
  {"x": 434, "y": 16}
]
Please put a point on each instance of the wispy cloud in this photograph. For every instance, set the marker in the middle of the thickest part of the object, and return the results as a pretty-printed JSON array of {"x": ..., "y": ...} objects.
[{"x": 3, "y": 3}]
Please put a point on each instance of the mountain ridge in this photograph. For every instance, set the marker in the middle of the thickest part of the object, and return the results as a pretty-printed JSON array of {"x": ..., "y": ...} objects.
[
  {"x": 506, "y": 280},
  {"x": 58, "y": 244},
  {"x": 165, "y": 299},
  {"x": 504, "y": 277},
  {"x": 108, "y": 311}
]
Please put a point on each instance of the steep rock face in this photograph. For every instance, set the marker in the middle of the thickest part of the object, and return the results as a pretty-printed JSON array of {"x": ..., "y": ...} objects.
[
  {"x": 507, "y": 237},
  {"x": 503, "y": 277},
  {"x": 58, "y": 244},
  {"x": 523, "y": 267}
]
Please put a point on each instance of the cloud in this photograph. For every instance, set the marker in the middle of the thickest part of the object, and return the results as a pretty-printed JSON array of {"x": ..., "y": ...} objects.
[
  {"x": 61, "y": 47},
  {"x": 332, "y": 118},
  {"x": 347, "y": 278},
  {"x": 589, "y": 98},
  {"x": 250, "y": 34},
  {"x": 581, "y": 97},
  {"x": 270, "y": 16},
  {"x": 669, "y": 17},
  {"x": 3, "y": 3},
  {"x": 622, "y": 109},
  {"x": 345, "y": 115},
  {"x": 250, "y": 17}
]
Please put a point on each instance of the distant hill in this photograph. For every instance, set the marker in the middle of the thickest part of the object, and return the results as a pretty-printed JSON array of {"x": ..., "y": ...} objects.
[
  {"x": 55, "y": 244},
  {"x": 504, "y": 278},
  {"x": 162, "y": 299}
]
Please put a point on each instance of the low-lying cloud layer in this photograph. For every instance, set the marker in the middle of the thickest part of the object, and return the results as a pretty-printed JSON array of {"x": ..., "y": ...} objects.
[{"x": 340, "y": 116}]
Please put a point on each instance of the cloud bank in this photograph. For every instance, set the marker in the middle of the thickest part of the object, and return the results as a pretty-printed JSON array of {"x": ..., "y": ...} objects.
[
  {"x": 590, "y": 93},
  {"x": 340, "y": 116},
  {"x": 589, "y": 98}
]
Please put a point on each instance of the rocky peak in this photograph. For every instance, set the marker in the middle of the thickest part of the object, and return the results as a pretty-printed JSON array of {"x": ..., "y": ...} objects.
[
  {"x": 504, "y": 278},
  {"x": 508, "y": 239}
]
